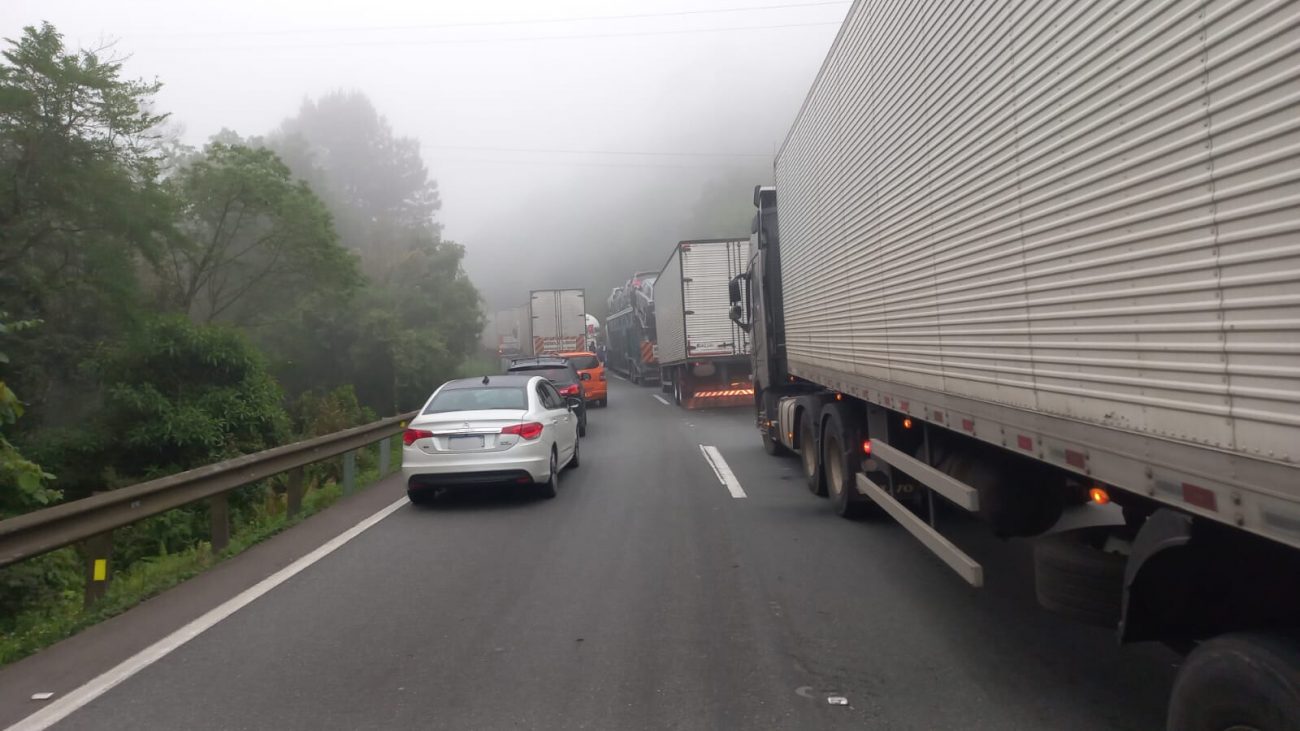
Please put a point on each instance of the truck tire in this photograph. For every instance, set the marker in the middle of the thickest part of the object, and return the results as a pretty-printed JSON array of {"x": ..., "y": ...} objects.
[
  {"x": 810, "y": 456},
  {"x": 840, "y": 463},
  {"x": 1078, "y": 581},
  {"x": 1248, "y": 680},
  {"x": 677, "y": 388}
]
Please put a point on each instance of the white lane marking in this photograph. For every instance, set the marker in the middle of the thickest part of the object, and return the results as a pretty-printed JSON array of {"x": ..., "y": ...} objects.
[
  {"x": 65, "y": 706},
  {"x": 662, "y": 400},
  {"x": 723, "y": 471}
]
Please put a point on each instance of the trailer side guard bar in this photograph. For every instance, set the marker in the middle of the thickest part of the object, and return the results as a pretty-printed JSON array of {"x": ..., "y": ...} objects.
[
  {"x": 965, "y": 566},
  {"x": 955, "y": 490}
]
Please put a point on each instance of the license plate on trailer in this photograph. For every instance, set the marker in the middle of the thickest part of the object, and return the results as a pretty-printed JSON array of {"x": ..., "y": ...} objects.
[{"x": 467, "y": 441}]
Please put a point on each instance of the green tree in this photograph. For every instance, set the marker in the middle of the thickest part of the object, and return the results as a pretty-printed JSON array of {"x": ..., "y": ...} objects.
[
  {"x": 181, "y": 395},
  {"x": 420, "y": 316},
  {"x": 79, "y": 207},
  {"x": 253, "y": 240},
  {"x": 23, "y": 484},
  {"x": 375, "y": 182}
]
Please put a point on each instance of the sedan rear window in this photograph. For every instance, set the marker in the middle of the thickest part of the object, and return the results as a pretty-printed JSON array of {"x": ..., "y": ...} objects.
[
  {"x": 476, "y": 399},
  {"x": 583, "y": 362}
]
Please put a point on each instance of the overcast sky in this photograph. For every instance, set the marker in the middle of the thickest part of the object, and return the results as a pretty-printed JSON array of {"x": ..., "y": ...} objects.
[{"x": 520, "y": 106}]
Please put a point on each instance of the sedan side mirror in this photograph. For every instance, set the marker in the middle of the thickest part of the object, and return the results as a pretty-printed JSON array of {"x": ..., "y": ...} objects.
[
  {"x": 586, "y": 376},
  {"x": 574, "y": 402}
]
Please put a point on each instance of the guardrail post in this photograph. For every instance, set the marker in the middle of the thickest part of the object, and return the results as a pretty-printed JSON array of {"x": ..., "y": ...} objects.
[
  {"x": 219, "y": 509},
  {"x": 349, "y": 472},
  {"x": 293, "y": 492},
  {"x": 385, "y": 449},
  {"x": 97, "y": 550}
]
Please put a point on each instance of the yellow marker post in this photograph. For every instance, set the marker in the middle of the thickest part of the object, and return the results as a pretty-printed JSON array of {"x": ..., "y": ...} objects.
[{"x": 98, "y": 551}]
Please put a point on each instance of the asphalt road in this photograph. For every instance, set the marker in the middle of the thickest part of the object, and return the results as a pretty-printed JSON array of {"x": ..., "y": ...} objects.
[{"x": 647, "y": 597}]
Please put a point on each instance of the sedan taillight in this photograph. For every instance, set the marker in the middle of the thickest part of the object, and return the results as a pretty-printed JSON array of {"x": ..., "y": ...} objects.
[
  {"x": 529, "y": 430},
  {"x": 569, "y": 390},
  {"x": 411, "y": 435}
]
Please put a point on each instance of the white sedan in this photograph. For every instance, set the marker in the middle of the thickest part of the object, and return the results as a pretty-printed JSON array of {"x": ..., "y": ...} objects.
[{"x": 509, "y": 429}]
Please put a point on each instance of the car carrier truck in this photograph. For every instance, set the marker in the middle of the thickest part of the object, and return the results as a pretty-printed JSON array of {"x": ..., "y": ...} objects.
[
  {"x": 703, "y": 355},
  {"x": 1040, "y": 261},
  {"x": 630, "y": 330}
]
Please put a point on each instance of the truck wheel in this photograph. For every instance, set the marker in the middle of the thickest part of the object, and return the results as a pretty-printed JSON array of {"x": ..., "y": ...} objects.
[
  {"x": 810, "y": 449},
  {"x": 677, "y": 389},
  {"x": 840, "y": 464},
  {"x": 1246, "y": 680},
  {"x": 1078, "y": 581}
]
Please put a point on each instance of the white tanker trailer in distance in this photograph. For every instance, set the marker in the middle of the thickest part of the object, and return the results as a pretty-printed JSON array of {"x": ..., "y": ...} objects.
[{"x": 1041, "y": 262}]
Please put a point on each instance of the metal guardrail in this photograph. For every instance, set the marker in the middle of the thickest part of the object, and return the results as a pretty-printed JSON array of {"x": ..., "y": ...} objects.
[{"x": 91, "y": 520}]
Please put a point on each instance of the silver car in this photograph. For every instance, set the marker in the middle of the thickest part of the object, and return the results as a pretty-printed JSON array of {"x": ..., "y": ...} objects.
[{"x": 495, "y": 430}]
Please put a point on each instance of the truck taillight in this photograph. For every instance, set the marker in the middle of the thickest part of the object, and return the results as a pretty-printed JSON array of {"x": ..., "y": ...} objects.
[
  {"x": 410, "y": 436},
  {"x": 529, "y": 430}
]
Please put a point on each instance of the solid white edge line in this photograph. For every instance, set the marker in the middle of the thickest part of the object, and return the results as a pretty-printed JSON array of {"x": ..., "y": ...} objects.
[
  {"x": 661, "y": 400},
  {"x": 68, "y": 704},
  {"x": 723, "y": 471}
]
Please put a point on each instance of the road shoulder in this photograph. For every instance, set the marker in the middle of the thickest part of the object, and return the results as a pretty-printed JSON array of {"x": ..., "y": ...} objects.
[{"x": 67, "y": 665}]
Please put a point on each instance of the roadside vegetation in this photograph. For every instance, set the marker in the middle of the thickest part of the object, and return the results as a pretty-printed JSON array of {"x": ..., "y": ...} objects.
[{"x": 164, "y": 307}]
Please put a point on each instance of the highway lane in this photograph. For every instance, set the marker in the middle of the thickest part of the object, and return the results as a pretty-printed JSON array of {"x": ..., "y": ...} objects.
[{"x": 646, "y": 596}]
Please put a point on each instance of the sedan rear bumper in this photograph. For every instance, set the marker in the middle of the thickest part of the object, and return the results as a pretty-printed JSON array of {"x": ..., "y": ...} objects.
[
  {"x": 469, "y": 479},
  {"x": 445, "y": 470}
]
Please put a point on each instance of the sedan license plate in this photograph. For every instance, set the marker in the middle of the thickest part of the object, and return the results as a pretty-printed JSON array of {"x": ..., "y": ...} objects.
[{"x": 468, "y": 441}]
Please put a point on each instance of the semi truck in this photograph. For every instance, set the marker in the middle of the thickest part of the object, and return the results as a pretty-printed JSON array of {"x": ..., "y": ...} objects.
[
  {"x": 630, "y": 330},
  {"x": 558, "y": 319},
  {"x": 703, "y": 355},
  {"x": 1040, "y": 263}
]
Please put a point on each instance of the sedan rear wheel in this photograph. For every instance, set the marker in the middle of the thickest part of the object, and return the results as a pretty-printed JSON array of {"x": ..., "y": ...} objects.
[{"x": 549, "y": 488}]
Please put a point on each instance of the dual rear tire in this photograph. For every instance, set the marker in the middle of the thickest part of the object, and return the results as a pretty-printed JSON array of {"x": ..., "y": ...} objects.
[{"x": 828, "y": 436}]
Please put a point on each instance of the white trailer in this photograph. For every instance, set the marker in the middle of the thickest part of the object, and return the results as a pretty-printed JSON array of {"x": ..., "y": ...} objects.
[
  {"x": 703, "y": 355},
  {"x": 1041, "y": 261},
  {"x": 559, "y": 320}
]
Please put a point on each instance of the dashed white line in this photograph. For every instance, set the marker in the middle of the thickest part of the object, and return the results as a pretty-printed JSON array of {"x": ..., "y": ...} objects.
[
  {"x": 68, "y": 704},
  {"x": 662, "y": 400},
  {"x": 722, "y": 470}
]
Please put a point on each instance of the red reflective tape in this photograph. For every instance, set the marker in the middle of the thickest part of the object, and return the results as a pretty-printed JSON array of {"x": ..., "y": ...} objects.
[
  {"x": 937, "y": 416},
  {"x": 905, "y": 405},
  {"x": 1200, "y": 497},
  {"x": 1075, "y": 459},
  {"x": 968, "y": 424},
  {"x": 1025, "y": 443}
]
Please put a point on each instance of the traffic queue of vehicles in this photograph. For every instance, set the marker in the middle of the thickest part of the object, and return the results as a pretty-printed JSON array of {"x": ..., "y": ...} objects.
[{"x": 1048, "y": 277}]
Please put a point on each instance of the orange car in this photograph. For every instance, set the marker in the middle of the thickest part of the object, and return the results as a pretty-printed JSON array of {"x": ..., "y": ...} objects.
[{"x": 594, "y": 388}]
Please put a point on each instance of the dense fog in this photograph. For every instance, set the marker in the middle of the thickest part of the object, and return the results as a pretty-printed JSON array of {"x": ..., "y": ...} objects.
[{"x": 570, "y": 142}]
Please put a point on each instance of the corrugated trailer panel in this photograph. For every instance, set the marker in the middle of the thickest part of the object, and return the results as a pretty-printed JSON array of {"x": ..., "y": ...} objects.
[
  {"x": 558, "y": 319},
  {"x": 669, "y": 326},
  {"x": 707, "y": 268},
  {"x": 1088, "y": 210}
]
